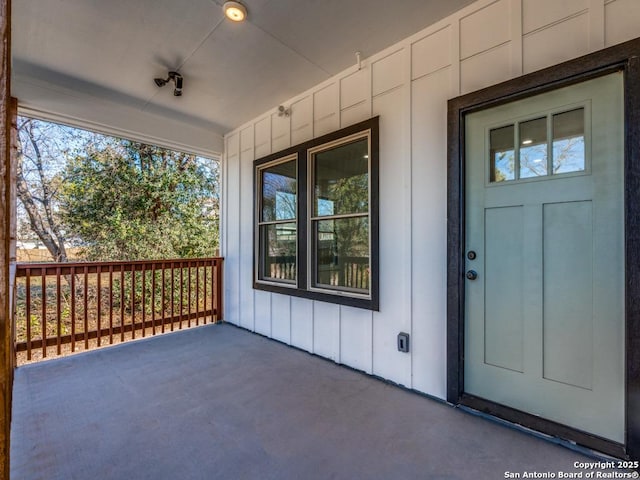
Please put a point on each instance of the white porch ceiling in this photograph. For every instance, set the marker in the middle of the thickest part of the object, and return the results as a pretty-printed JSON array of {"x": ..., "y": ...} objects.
[{"x": 93, "y": 61}]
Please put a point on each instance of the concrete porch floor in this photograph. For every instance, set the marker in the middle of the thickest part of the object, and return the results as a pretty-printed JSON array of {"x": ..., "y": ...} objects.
[{"x": 218, "y": 402}]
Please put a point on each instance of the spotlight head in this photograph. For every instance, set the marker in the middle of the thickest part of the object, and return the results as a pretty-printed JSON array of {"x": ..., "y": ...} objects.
[
  {"x": 177, "y": 80},
  {"x": 174, "y": 77}
]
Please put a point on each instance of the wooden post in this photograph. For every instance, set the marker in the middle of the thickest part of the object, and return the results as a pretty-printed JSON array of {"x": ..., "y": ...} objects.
[{"x": 7, "y": 113}]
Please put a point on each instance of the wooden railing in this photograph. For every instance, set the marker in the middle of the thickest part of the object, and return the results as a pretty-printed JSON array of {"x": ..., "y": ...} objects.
[
  {"x": 65, "y": 307},
  {"x": 282, "y": 267},
  {"x": 351, "y": 272}
]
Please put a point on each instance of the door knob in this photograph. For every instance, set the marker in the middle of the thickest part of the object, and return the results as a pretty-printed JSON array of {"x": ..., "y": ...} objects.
[{"x": 472, "y": 275}]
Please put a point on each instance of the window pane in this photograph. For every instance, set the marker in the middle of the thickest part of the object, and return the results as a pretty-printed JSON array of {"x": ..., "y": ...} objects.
[
  {"x": 502, "y": 154},
  {"x": 279, "y": 192},
  {"x": 342, "y": 253},
  {"x": 568, "y": 141},
  {"x": 341, "y": 179},
  {"x": 278, "y": 251},
  {"x": 533, "y": 148}
]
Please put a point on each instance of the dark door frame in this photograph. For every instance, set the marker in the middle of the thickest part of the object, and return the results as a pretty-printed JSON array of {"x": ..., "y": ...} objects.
[{"x": 626, "y": 58}]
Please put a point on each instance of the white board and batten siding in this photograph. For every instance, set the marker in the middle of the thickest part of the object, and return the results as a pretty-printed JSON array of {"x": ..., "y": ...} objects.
[{"x": 408, "y": 85}]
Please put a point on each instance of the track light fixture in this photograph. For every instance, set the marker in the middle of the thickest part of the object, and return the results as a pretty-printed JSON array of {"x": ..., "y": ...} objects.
[{"x": 174, "y": 77}]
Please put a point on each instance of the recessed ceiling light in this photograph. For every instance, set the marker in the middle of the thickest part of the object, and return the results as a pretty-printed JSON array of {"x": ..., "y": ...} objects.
[{"x": 235, "y": 11}]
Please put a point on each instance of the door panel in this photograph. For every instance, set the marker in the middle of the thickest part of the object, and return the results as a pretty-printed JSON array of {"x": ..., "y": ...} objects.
[
  {"x": 544, "y": 319},
  {"x": 568, "y": 293},
  {"x": 504, "y": 322}
]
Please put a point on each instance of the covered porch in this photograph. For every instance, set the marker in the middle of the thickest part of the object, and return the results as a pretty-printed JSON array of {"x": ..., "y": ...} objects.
[{"x": 220, "y": 402}]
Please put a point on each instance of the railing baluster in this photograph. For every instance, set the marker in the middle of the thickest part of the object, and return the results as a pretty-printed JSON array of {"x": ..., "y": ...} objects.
[
  {"x": 189, "y": 295},
  {"x": 43, "y": 320},
  {"x": 99, "y": 299},
  {"x": 197, "y": 292},
  {"x": 153, "y": 297},
  {"x": 173, "y": 287},
  {"x": 163, "y": 295},
  {"x": 28, "y": 311},
  {"x": 86, "y": 307},
  {"x": 181, "y": 292},
  {"x": 204, "y": 281},
  {"x": 122, "y": 302},
  {"x": 133, "y": 302},
  {"x": 144, "y": 305},
  {"x": 110, "y": 304},
  {"x": 73, "y": 309},
  {"x": 58, "y": 311}
]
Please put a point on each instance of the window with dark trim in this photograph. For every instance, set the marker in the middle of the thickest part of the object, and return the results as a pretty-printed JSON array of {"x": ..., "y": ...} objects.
[{"x": 316, "y": 218}]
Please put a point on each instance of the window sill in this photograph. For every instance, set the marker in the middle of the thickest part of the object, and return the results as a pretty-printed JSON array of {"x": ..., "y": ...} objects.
[{"x": 336, "y": 298}]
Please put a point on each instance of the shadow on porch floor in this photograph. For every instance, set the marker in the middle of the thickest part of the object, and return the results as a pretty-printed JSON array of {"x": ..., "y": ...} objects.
[{"x": 218, "y": 402}]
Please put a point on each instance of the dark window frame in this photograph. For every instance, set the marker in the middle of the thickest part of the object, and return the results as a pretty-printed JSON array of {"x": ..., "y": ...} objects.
[
  {"x": 261, "y": 222},
  {"x": 303, "y": 287}
]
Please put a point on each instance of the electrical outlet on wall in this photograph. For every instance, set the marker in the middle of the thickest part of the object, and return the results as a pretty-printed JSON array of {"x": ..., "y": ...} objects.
[{"x": 403, "y": 342}]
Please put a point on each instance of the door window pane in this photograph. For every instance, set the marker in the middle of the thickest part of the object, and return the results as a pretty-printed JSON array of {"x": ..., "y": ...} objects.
[
  {"x": 279, "y": 192},
  {"x": 278, "y": 251},
  {"x": 341, "y": 179},
  {"x": 568, "y": 141},
  {"x": 533, "y": 148},
  {"x": 342, "y": 258},
  {"x": 502, "y": 154}
]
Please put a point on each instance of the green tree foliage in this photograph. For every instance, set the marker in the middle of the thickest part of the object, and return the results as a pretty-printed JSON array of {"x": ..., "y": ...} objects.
[{"x": 127, "y": 200}]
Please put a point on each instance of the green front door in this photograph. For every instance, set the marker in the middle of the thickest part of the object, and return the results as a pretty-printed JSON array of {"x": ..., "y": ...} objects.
[{"x": 544, "y": 295}]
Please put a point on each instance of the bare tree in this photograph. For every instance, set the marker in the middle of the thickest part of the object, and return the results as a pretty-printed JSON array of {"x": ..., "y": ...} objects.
[{"x": 37, "y": 187}]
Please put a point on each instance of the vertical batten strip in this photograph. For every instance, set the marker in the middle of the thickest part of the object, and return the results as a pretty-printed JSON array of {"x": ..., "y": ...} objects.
[
  {"x": 515, "y": 10},
  {"x": 370, "y": 100},
  {"x": 408, "y": 200},
  {"x": 456, "y": 76},
  {"x": 596, "y": 25}
]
